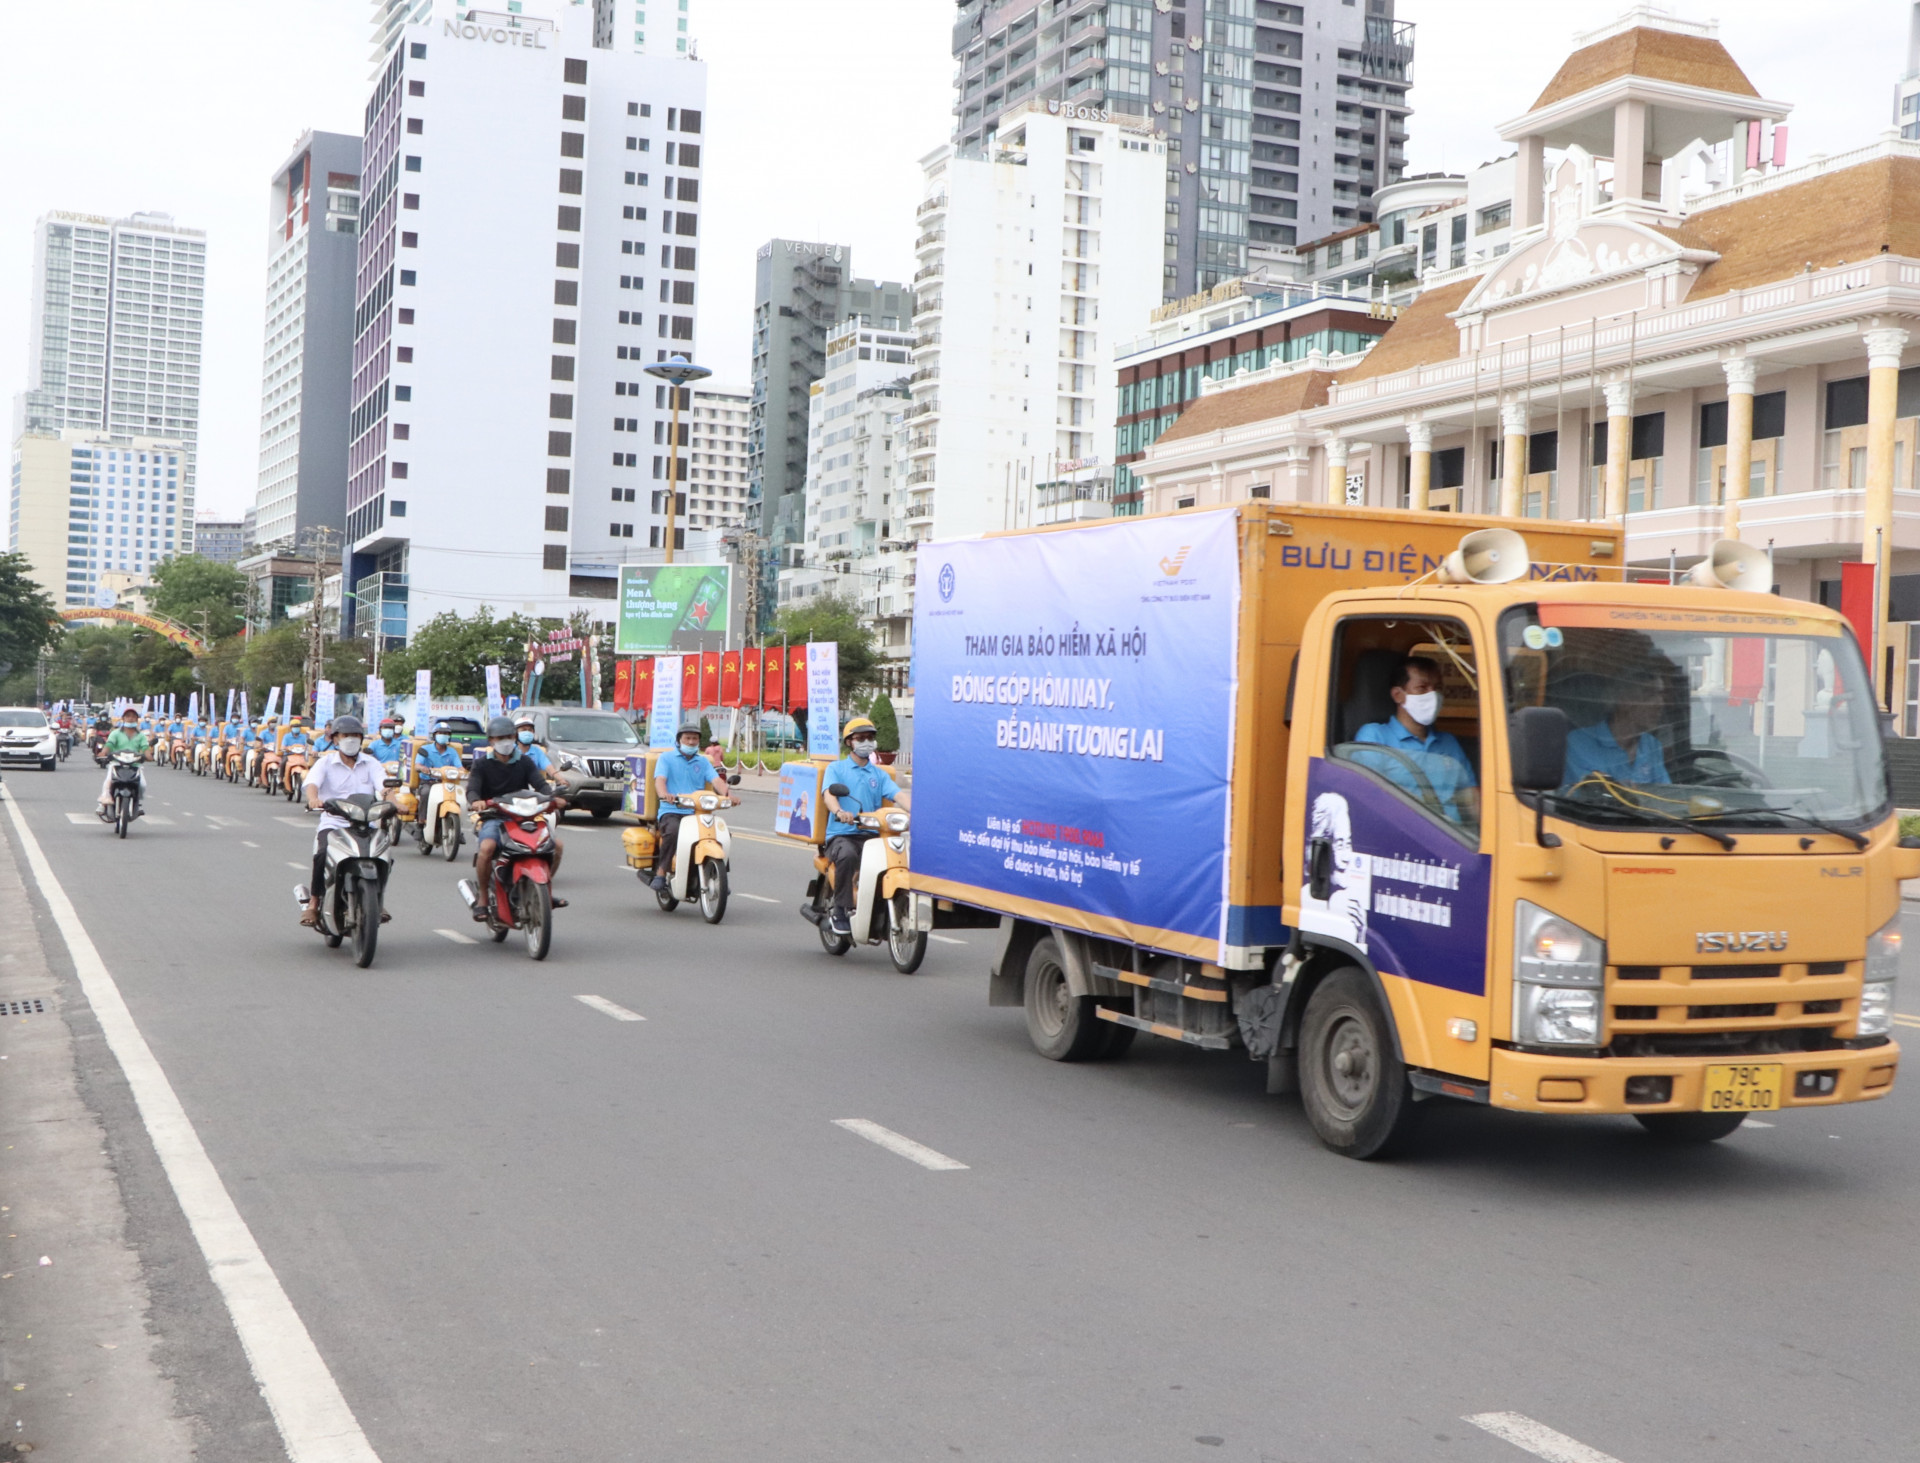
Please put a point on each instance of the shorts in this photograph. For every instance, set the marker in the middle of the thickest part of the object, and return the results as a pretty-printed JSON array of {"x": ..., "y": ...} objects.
[{"x": 494, "y": 828}]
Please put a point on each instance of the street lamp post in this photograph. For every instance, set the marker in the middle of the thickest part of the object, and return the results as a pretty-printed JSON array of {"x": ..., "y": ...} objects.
[{"x": 676, "y": 371}]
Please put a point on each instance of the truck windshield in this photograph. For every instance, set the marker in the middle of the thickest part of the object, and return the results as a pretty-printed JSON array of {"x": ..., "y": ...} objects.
[{"x": 1757, "y": 722}]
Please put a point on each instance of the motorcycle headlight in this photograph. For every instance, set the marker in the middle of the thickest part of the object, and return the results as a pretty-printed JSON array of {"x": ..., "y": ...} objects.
[
  {"x": 1883, "y": 970},
  {"x": 1559, "y": 971},
  {"x": 896, "y": 821},
  {"x": 707, "y": 802}
]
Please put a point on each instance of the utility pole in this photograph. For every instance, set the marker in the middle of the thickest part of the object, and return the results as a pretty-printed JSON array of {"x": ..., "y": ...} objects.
[{"x": 677, "y": 372}]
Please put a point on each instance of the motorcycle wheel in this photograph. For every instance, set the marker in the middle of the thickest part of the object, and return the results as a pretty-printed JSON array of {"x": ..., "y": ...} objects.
[
  {"x": 450, "y": 839},
  {"x": 122, "y": 816},
  {"x": 713, "y": 891},
  {"x": 830, "y": 942},
  {"x": 366, "y": 921},
  {"x": 906, "y": 951},
  {"x": 669, "y": 901},
  {"x": 536, "y": 917}
]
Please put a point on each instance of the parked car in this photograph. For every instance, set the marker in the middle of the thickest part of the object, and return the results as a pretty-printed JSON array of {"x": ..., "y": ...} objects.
[
  {"x": 26, "y": 735},
  {"x": 589, "y": 751}
]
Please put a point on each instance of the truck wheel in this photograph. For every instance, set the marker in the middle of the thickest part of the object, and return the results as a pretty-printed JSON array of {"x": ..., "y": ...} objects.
[
  {"x": 1352, "y": 1084},
  {"x": 1689, "y": 1127},
  {"x": 1062, "y": 1026},
  {"x": 600, "y": 815}
]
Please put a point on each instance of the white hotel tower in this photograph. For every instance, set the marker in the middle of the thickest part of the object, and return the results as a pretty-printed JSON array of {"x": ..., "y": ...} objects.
[{"x": 530, "y": 242}]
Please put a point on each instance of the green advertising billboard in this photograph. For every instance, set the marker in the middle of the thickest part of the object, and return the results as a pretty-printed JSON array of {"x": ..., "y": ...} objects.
[{"x": 674, "y": 607}]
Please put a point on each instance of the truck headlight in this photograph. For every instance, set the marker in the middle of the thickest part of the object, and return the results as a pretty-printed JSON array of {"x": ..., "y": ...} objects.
[
  {"x": 1883, "y": 970},
  {"x": 1559, "y": 971}
]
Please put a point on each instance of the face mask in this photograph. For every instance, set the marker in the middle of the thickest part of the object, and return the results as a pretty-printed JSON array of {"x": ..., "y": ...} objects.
[
  {"x": 863, "y": 747},
  {"x": 386, "y": 735},
  {"x": 1424, "y": 707},
  {"x": 689, "y": 750},
  {"x": 440, "y": 739},
  {"x": 350, "y": 746},
  {"x": 526, "y": 738},
  {"x": 503, "y": 745}
]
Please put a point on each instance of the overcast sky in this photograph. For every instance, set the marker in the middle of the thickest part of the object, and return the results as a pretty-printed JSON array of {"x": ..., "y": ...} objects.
[{"x": 818, "y": 111}]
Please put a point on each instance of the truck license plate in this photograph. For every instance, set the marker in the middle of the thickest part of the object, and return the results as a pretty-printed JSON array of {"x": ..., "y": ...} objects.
[{"x": 1741, "y": 1087}]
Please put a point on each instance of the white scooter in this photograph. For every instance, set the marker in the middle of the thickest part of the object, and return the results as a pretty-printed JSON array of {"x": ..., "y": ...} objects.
[
  {"x": 445, "y": 810},
  {"x": 884, "y": 908},
  {"x": 702, "y": 854}
]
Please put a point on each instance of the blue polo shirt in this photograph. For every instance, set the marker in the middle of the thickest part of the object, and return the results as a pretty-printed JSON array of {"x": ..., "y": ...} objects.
[
  {"x": 433, "y": 755},
  {"x": 384, "y": 751},
  {"x": 684, "y": 775},
  {"x": 537, "y": 754},
  {"x": 1592, "y": 749},
  {"x": 867, "y": 788},
  {"x": 1439, "y": 755}
]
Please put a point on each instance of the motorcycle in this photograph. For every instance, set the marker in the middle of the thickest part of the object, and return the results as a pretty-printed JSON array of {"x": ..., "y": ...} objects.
[
  {"x": 358, "y": 859},
  {"x": 202, "y": 755},
  {"x": 124, "y": 791},
  {"x": 233, "y": 758},
  {"x": 702, "y": 855},
  {"x": 272, "y": 759},
  {"x": 884, "y": 908},
  {"x": 177, "y": 748},
  {"x": 442, "y": 812},
  {"x": 293, "y": 768},
  {"x": 521, "y": 892},
  {"x": 63, "y": 743}
]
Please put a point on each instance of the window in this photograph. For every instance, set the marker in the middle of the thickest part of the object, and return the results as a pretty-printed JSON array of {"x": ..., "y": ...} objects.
[
  {"x": 639, "y": 109},
  {"x": 416, "y": 125},
  {"x": 573, "y": 109},
  {"x": 683, "y": 258},
  {"x": 619, "y": 530},
  {"x": 570, "y": 180},
  {"x": 683, "y": 327},
  {"x": 564, "y": 332},
  {"x": 1649, "y": 435},
  {"x": 635, "y": 211},
  {"x": 566, "y": 292},
  {"x": 418, "y": 51},
  {"x": 404, "y": 354},
  {"x": 573, "y": 144},
  {"x": 557, "y": 518},
  {"x": 401, "y": 431},
  {"x": 685, "y": 223},
  {"x": 566, "y": 256},
  {"x": 1490, "y": 220},
  {"x": 558, "y": 480},
  {"x": 689, "y": 119},
  {"x": 559, "y": 444},
  {"x": 689, "y": 154},
  {"x": 403, "y": 393},
  {"x": 562, "y": 368},
  {"x": 689, "y": 190},
  {"x": 397, "y": 507},
  {"x": 569, "y": 218},
  {"x": 409, "y": 241},
  {"x": 575, "y": 73},
  {"x": 398, "y": 469},
  {"x": 554, "y": 556},
  {"x": 683, "y": 292},
  {"x": 409, "y": 200},
  {"x": 413, "y": 164}
]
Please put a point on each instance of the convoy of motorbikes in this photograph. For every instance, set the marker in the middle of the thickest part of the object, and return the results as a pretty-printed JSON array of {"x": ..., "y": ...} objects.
[{"x": 679, "y": 844}]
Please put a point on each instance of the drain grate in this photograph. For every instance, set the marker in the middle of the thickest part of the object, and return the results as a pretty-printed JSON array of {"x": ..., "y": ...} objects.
[{"x": 21, "y": 1008}]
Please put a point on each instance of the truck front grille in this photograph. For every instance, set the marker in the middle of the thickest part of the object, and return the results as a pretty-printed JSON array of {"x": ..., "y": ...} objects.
[
  {"x": 613, "y": 769},
  {"x": 1736, "y": 972},
  {"x": 1722, "y": 1043}
]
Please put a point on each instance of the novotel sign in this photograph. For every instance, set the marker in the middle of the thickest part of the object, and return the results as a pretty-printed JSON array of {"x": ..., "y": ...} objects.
[{"x": 499, "y": 35}]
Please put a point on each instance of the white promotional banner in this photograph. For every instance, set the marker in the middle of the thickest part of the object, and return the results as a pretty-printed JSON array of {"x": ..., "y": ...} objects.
[
  {"x": 273, "y": 701},
  {"x": 243, "y": 708},
  {"x": 823, "y": 699},
  {"x": 323, "y": 702},
  {"x": 376, "y": 703},
  {"x": 663, "y": 717},
  {"x": 286, "y": 700},
  {"x": 229, "y": 703},
  {"x": 495, "y": 707},
  {"x": 422, "y": 701},
  {"x": 170, "y": 705}
]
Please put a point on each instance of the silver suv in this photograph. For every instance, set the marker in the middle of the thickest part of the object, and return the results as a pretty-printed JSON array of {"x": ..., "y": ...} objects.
[
  {"x": 589, "y": 751},
  {"x": 26, "y": 735}
]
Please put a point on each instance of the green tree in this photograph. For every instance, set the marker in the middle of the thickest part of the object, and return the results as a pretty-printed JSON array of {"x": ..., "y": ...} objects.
[
  {"x": 836, "y": 617},
  {"x": 187, "y": 586},
  {"x": 459, "y": 648},
  {"x": 886, "y": 725},
  {"x": 29, "y": 619}
]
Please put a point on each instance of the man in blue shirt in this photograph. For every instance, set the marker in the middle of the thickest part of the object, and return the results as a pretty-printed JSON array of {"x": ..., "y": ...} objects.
[
  {"x": 1438, "y": 755},
  {"x": 389, "y": 747},
  {"x": 679, "y": 773},
  {"x": 441, "y": 752},
  {"x": 523, "y": 726},
  {"x": 869, "y": 789},
  {"x": 1621, "y": 745}
]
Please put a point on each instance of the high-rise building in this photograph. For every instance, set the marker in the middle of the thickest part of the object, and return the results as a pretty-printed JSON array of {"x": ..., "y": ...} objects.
[
  {"x": 224, "y": 540},
  {"x": 1035, "y": 260},
  {"x": 114, "y": 342},
  {"x": 313, "y": 217},
  {"x": 1906, "y": 92},
  {"x": 83, "y": 505},
  {"x": 620, "y": 25},
  {"x": 499, "y": 373},
  {"x": 716, "y": 485},
  {"x": 1279, "y": 119},
  {"x": 801, "y": 293}
]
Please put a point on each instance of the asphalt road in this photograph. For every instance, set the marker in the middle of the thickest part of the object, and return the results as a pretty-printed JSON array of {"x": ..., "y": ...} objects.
[{"x": 516, "y": 1226}]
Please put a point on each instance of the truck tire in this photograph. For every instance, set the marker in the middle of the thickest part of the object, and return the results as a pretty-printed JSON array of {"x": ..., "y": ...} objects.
[
  {"x": 1689, "y": 1127},
  {"x": 1062, "y": 1026},
  {"x": 1352, "y": 1082}
]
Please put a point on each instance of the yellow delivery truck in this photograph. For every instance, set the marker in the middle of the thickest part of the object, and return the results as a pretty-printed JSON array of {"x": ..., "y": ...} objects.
[{"x": 1409, "y": 815}]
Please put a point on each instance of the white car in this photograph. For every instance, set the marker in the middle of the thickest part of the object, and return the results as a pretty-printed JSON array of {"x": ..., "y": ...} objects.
[{"x": 26, "y": 735}]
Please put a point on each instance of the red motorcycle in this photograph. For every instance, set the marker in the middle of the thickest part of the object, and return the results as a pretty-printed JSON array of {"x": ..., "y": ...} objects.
[{"x": 520, "y": 896}]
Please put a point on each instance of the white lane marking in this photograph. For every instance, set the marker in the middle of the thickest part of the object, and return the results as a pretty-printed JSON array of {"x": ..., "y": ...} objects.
[
  {"x": 292, "y": 865},
  {"x": 946, "y": 939},
  {"x": 1756, "y": 1123},
  {"x": 607, "y": 1008},
  {"x": 248, "y": 843},
  {"x": 82, "y": 819},
  {"x": 220, "y": 822},
  {"x": 296, "y": 822},
  {"x": 894, "y": 1143},
  {"x": 773, "y": 838},
  {"x": 456, "y": 937},
  {"x": 756, "y": 898},
  {"x": 314, "y": 1420},
  {"x": 1537, "y": 1438}
]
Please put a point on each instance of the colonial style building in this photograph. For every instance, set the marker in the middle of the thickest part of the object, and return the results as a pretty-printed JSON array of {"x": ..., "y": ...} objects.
[{"x": 1691, "y": 364}]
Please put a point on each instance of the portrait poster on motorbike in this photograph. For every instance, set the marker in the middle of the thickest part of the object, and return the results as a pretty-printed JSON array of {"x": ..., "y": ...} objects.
[
  {"x": 663, "y": 716},
  {"x": 1074, "y": 718},
  {"x": 674, "y": 607}
]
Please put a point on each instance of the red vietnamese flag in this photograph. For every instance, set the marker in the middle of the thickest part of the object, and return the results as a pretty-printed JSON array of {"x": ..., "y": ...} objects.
[
  {"x": 773, "y": 679},
  {"x": 796, "y": 677},
  {"x": 749, "y": 678},
  {"x": 689, "y": 684},
  {"x": 622, "y": 685},
  {"x": 710, "y": 678},
  {"x": 730, "y": 678},
  {"x": 642, "y": 688}
]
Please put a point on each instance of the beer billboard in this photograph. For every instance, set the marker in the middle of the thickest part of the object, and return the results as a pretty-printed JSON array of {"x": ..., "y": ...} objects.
[{"x": 674, "y": 607}]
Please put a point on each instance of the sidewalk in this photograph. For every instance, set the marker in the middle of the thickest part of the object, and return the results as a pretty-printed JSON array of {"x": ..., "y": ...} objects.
[{"x": 77, "y": 1359}]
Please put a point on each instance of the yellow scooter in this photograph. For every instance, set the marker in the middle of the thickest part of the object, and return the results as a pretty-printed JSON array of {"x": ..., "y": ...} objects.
[{"x": 884, "y": 908}]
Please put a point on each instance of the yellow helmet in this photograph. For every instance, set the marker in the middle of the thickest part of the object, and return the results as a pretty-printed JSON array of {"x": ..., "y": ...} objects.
[{"x": 857, "y": 724}]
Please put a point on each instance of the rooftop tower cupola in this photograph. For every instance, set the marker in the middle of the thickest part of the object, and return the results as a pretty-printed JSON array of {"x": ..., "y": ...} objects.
[{"x": 1638, "y": 91}]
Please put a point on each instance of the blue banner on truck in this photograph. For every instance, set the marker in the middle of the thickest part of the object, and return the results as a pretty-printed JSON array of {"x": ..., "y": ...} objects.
[{"x": 1073, "y": 717}]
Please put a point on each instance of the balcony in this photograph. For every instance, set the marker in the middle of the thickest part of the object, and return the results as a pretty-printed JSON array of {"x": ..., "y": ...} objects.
[
  {"x": 933, "y": 236},
  {"x": 931, "y": 205},
  {"x": 930, "y": 271},
  {"x": 1827, "y": 523}
]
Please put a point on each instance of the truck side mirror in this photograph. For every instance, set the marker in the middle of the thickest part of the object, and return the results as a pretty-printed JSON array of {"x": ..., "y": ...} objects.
[{"x": 1537, "y": 743}]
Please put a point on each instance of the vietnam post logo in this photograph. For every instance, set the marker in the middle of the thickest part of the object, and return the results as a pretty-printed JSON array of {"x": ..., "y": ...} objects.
[
  {"x": 946, "y": 582},
  {"x": 1174, "y": 563}
]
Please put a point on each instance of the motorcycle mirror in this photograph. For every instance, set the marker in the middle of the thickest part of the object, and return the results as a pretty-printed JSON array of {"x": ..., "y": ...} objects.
[
  {"x": 840, "y": 790},
  {"x": 733, "y": 780}
]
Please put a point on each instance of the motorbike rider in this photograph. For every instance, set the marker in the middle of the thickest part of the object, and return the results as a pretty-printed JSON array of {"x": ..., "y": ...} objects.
[
  {"x": 687, "y": 771},
  {"x": 869, "y": 789},
  {"x": 339, "y": 774},
  {"x": 505, "y": 770},
  {"x": 128, "y": 738},
  {"x": 440, "y": 752},
  {"x": 523, "y": 733},
  {"x": 389, "y": 747}
]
